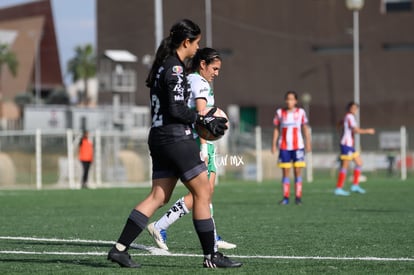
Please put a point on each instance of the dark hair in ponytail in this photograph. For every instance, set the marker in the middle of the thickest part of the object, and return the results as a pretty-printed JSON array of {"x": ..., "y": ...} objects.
[
  {"x": 180, "y": 31},
  {"x": 207, "y": 54}
]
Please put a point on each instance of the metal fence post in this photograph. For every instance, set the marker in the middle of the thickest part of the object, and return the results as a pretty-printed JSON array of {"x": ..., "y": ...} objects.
[{"x": 38, "y": 159}]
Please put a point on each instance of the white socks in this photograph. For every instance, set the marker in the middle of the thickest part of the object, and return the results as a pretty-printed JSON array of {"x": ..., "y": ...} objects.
[{"x": 173, "y": 214}]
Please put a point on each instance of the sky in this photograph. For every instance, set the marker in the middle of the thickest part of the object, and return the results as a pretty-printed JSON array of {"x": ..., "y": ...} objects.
[{"x": 74, "y": 25}]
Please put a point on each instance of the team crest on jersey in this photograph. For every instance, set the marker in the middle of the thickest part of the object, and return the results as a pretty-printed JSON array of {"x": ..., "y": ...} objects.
[{"x": 177, "y": 69}]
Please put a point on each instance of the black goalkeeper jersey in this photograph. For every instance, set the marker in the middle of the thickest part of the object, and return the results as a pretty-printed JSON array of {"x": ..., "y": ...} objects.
[{"x": 171, "y": 117}]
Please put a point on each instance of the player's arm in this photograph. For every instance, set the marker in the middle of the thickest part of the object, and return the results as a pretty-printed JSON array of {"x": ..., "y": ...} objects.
[
  {"x": 274, "y": 140},
  {"x": 201, "y": 104},
  {"x": 363, "y": 131},
  {"x": 276, "y": 123},
  {"x": 306, "y": 133},
  {"x": 177, "y": 106}
]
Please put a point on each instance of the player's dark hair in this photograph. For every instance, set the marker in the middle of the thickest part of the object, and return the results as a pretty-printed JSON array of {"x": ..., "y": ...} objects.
[
  {"x": 295, "y": 94},
  {"x": 84, "y": 135},
  {"x": 209, "y": 55},
  {"x": 350, "y": 104},
  {"x": 180, "y": 31}
]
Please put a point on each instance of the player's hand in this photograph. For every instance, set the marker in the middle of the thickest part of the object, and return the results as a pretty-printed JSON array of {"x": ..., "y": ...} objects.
[
  {"x": 371, "y": 131},
  {"x": 274, "y": 149},
  {"x": 204, "y": 152},
  {"x": 215, "y": 125}
]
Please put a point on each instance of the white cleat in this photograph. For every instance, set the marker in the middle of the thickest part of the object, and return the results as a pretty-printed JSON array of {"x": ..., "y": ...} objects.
[
  {"x": 221, "y": 244},
  {"x": 159, "y": 236}
]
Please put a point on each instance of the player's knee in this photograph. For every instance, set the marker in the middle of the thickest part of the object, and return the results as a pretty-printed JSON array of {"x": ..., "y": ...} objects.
[
  {"x": 159, "y": 199},
  {"x": 202, "y": 196}
]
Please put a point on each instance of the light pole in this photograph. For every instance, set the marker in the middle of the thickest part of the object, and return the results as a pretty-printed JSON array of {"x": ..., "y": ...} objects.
[
  {"x": 38, "y": 78},
  {"x": 209, "y": 34},
  {"x": 159, "y": 25},
  {"x": 37, "y": 38},
  {"x": 355, "y": 6},
  {"x": 306, "y": 99}
]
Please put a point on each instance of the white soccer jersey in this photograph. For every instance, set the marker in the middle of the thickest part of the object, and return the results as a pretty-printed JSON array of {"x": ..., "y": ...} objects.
[
  {"x": 200, "y": 88},
  {"x": 348, "y": 130},
  {"x": 290, "y": 123}
]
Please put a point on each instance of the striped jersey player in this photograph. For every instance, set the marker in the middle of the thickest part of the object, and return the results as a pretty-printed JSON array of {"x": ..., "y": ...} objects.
[
  {"x": 291, "y": 126},
  {"x": 349, "y": 128}
]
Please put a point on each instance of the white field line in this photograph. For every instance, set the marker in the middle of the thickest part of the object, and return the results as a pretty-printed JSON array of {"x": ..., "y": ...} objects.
[
  {"x": 152, "y": 250},
  {"x": 160, "y": 252}
]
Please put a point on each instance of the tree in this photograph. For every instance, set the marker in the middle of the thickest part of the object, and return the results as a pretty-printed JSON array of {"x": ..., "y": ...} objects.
[
  {"x": 83, "y": 66},
  {"x": 58, "y": 96},
  {"x": 7, "y": 59}
]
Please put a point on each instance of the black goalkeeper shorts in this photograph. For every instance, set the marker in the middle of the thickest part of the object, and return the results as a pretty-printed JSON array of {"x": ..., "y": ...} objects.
[{"x": 181, "y": 160}]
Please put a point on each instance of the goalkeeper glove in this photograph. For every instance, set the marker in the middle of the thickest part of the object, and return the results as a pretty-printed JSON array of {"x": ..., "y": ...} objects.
[{"x": 215, "y": 125}]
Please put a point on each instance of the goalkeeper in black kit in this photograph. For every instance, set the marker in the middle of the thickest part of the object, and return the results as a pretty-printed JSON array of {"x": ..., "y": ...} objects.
[{"x": 175, "y": 154}]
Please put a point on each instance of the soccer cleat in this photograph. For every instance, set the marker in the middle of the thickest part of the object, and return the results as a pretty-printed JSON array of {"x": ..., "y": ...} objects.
[
  {"x": 122, "y": 258},
  {"x": 298, "y": 201},
  {"x": 218, "y": 260},
  {"x": 357, "y": 189},
  {"x": 284, "y": 201},
  {"x": 223, "y": 244},
  {"x": 341, "y": 192},
  {"x": 159, "y": 236}
]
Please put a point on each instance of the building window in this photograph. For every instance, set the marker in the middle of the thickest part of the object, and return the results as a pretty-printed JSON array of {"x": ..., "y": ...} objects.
[
  {"x": 333, "y": 49},
  {"x": 398, "y": 47},
  {"x": 388, "y": 6}
]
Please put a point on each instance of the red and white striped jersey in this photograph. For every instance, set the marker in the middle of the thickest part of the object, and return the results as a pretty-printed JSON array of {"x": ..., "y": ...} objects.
[
  {"x": 350, "y": 123},
  {"x": 290, "y": 123}
]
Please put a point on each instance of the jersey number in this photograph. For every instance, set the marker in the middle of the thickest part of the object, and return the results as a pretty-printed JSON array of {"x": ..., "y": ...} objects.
[{"x": 156, "y": 118}]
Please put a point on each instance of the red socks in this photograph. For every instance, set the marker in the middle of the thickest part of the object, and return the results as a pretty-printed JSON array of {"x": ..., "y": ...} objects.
[
  {"x": 286, "y": 187},
  {"x": 357, "y": 173},
  {"x": 341, "y": 178}
]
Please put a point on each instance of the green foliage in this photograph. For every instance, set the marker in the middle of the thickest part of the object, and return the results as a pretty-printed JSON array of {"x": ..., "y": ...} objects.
[
  {"x": 83, "y": 64},
  {"x": 23, "y": 99},
  {"x": 9, "y": 59},
  {"x": 378, "y": 224},
  {"x": 58, "y": 97}
]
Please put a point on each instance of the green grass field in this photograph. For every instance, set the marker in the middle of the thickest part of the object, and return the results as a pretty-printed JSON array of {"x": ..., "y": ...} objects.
[{"x": 360, "y": 234}]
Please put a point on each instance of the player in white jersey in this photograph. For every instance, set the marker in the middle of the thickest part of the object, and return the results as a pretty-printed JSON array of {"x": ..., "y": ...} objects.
[
  {"x": 289, "y": 124},
  {"x": 204, "y": 68},
  {"x": 349, "y": 128}
]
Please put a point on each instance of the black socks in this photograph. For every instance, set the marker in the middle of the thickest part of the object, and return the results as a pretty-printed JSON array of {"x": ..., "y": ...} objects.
[
  {"x": 205, "y": 232},
  {"x": 135, "y": 224}
]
